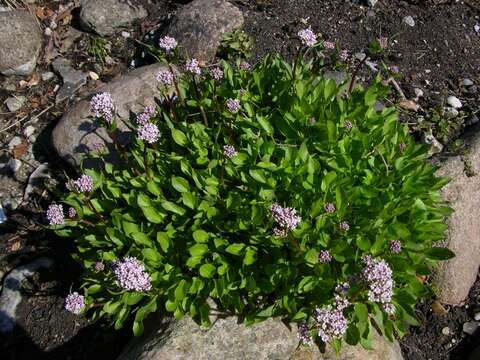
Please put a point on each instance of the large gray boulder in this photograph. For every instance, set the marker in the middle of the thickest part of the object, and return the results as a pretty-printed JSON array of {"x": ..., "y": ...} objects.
[
  {"x": 77, "y": 132},
  {"x": 20, "y": 42},
  {"x": 229, "y": 339},
  {"x": 456, "y": 276},
  {"x": 225, "y": 339},
  {"x": 199, "y": 25},
  {"x": 106, "y": 17}
]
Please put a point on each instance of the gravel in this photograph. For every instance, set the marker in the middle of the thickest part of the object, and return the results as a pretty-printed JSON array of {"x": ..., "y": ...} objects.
[{"x": 454, "y": 102}]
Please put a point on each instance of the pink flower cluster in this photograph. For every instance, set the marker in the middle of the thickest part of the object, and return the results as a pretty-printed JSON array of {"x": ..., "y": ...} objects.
[
  {"x": 84, "y": 184},
  {"x": 74, "y": 303},
  {"x": 149, "y": 133},
  {"x": 167, "y": 43},
  {"x": 286, "y": 218},
  {"x": 344, "y": 226},
  {"x": 147, "y": 114},
  {"x": 192, "y": 66},
  {"x": 245, "y": 66},
  {"x": 307, "y": 37},
  {"x": 304, "y": 334},
  {"x": 328, "y": 45},
  {"x": 102, "y": 106},
  {"x": 331, "y": 323},
  {"x": 329, "y": 208},
  {"x": 395, "y": 246},
  {"x": 72, "y": 212},
  {"x": 55, "y": 214},
  {"x": 378, "y": 276},
  {"x": 164, "y": 77},
  {"x": 324, "y": 256},
  {"x": 131, "y": 274},
  {"x": 217, "y": 73},
  {"x": 233, "y": 105},
  {"x": 229, "y": 151}
]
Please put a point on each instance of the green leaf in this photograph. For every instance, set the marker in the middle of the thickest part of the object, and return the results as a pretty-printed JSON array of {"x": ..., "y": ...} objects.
[
  {"x": 353, "y": 335},
  {"x": 439, "y": 253},
  {"x": 179, "y": 137},
  {"x": 153, "y": 215},
  {"x": 141, "y": 239},
  {"x": 170, "y": 206},
  {"x": 163, "y": 240},
  {"x": 189, "y": 200},
  {"x": 93, "y": 289},
  {"x": 265, "y": 124},
  {"x": 258, "y": 175},
  {"x": 250, "y": 256},
  {"x": 198, "y": 249},
  {"x": 311, "y": 256},
  {"x": 361, "y": 312},
  {"x": 208, "y": 270},
  {"x": 180, "y": 184},
  {"x": 133, "y": 298},
  {"x": 200, "y": 236},
  {"x": 235, "y": 249}
]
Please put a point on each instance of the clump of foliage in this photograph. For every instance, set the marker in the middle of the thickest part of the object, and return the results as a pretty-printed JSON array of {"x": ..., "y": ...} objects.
[
  {"x": 271, "y": 191},
  {"x": 97, "y": 48},
  {"x": 236, "y": 44}
]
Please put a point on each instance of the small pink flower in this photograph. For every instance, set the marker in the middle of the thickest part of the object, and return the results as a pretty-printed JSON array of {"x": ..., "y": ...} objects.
[
  {"x": 149, "y": 133},
  {"x": 344, "y": 55},
  {"x": 383, "y": 42},
  {"x": 229, "y": 151},
  {"x": 167, "y": 43},
  {"x": 192, "y": 66},
  {"x": 328, "y": 45},
  {"x": 307, "y": 37},
  {"x": 216, "y": 73},
  {"x": 71, "y": 212},
  {"x": 233, "y": 105}
]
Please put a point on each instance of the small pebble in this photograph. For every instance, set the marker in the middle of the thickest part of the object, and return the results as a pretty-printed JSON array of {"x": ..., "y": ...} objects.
[
  {"x": 446, "y": 331},
  {"x": 477, "y": 316},
  {"x": 418, "y": 92},
  {"x": 47, "y": 76},
  {"x": 452, "y": 111},
  {"x": 29, "y": 131},
  {"x": 470, "y": 327},
  {"x": 3, "y": 216},
  {"x": 15, "y": 103},
  {"x": 14, "y": 165},
  {"x": 467, "y": 82},
  {"x": 93, "y": 75},
  {"x": 14, "y": 142},
  {"x": 409, "y": 21},
  {"x": 454, "y": 102},
  {"x": 125, "y": 34}
]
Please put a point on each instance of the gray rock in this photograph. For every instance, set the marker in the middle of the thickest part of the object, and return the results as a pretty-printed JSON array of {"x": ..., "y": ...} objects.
[
  {"x": 3, "y": 215},
  {"x": 338, "y": 76},
  {"x": 77, "y": 131},
  {"x": 436, "y": 146},
  {"x": 451, "y": 111},
  {"x": 477, "y": 316},
  {"x": 372, "y": 3},
  {"x": 20, "y": 42},
  {"x": 473, "y": 89},
  {"x": 225, "y": 339},
  {"x": 15, "y": 141},
  {"x": 454, "y": 102},
  {"x": 14, "y": 165},
  {"x": 198, "y": 26},
  {"x": 36, "y": 179},
  {"x": 470, "y": 327},
  {"x": 467, "y": 82},
  {"x": 418, "y": 93},
  {"x": 12, "y": 291},
  {"x": 446, "y": 331},
  {"x": 46, "y": 76},
  {"x": 72, "y": 79},
  {"x": 15, "y": 103},
  {"x": 106, "y": 17},
  {"x": 382, "y": 350},
  {"x": 456, "y": 276},
  {"x": 409, "y": 21},
  {"x": 29, "y": 131}
]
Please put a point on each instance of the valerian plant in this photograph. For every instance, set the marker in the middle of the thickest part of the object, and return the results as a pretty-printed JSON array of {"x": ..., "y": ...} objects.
[{"x": 269, "y": 190}]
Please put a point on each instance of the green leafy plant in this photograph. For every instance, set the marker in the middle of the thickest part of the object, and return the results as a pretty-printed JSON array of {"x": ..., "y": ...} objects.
[
  {"x": 98, "y": 48},
  {"x": 271, "y": 191},
  {"x": 236, "y": 44}
]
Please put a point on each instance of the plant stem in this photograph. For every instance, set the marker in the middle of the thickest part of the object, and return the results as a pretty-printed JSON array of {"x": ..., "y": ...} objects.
[
  {"x": 204, "y": 116},
  {"x": 92, "y": 207},
  {"x": 355, "y": 73},
  {"x": 145, "y": 162},
  {"x": 295, "y": 64},
  {"x": 179, "y": 94}
]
